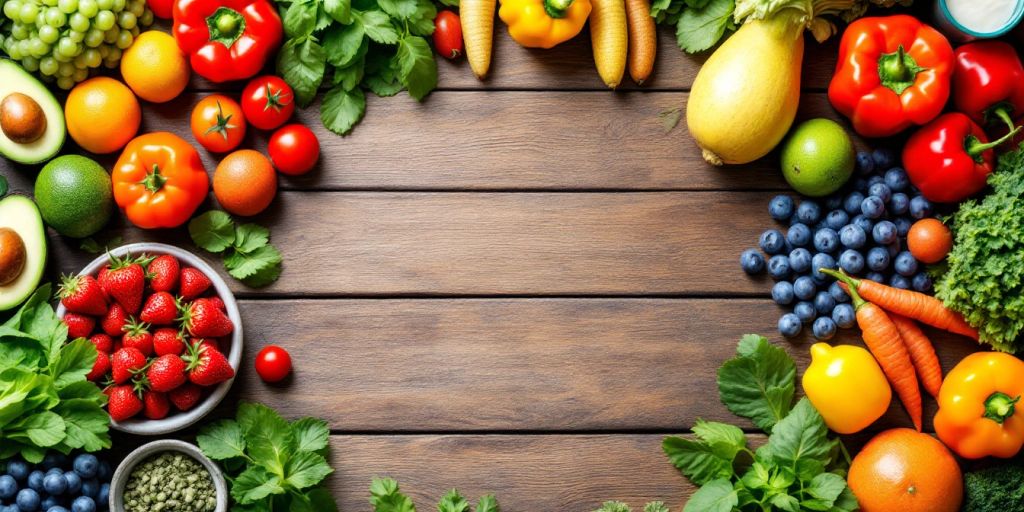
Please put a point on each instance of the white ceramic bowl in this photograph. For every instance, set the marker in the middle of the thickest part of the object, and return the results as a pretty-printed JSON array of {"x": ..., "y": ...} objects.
[
  {"x": 179, "y": 420},
  {"x": 124, "y": 470}
]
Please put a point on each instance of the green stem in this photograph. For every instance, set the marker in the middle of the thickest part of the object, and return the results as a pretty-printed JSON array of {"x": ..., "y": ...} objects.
[
  {"x": 1002, "y": 112},
  {"x": 226, "y": 26},
  {"x": 850, "y": 282},
  {"x": 975, "y": 147},
  {"x": 557, "y": 8},
  {"x": 154, "y": 181},
  {"x": 896, "y": 68},
  {"x": 999, "y": 407}
]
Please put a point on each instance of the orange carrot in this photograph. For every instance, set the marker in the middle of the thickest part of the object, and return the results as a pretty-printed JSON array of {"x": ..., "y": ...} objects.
[
  {"x": 923, "y": 308},
  {"x": 929, "y": 371},
  {"x": 884, "y": 341},
  {"x": 643, "y": 40}
]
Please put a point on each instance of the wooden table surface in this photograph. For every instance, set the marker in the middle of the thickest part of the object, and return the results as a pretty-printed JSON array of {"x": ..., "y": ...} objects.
[{"x": 519, "y": 286}]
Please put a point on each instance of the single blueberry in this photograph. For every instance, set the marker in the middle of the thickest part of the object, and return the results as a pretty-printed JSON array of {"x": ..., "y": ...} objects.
[
  {"x": 884, "y": 232},
  {"x": 872, "y": 207},
  {"x": 751, "y": 261},
  {"x": 35, "y": 480},
  {"x": 903, "y": 226},
  {"x": 878, "y": 259},
  {"x": 844, "y": 316},
  {"x": 905, "y": 264},
  {"x": 881, "y": 191},
  {"x": 772, "y": 241},
  {"x": 87, "y": 465},
  {"x": 782, "y": 293},
  {"x": 55, "y": 484},
  {"x": 826, "y": 240},
  {"x": 852, "y": 261},
  {"x": 920, "y": 207},
  {"x": 877, "y": 277},
  {"x": 18, "y": 469},
  {"x": 898, "y": 281},
  {"x": 865, "y": 164},
  {"x": 778, "y": 267},
  {"x": 8, "y": 487},
  {"x": 838, "y": 293},
  {"x": 74, "y": 482},
  {"x": 799, "y": 235},
  {"x": 863, "y": 223},
  {"x": 824, "y": 303},
  {"x": 836, "y": 219},
  {"x": 852, "y": 203},
  {"x": 804, "y": 288},
  {"x": 28, "y": 500},
  {"x": 874, "y": 180},
  {"x": 805, "y": 312},
  {"x": 922, "y": 282},
  {"x": 897, "y": 179},
  {"x": 808, "y": 212},
  {"x": 800, "y": 260},
  {"x": 780, "y": 207},
  {"x": 899, "y": 203},
  {"x": 820, "y": 261},
  {"x": 90, "y": 487},
  {"x": 790, "y": 325},
  {"x": 83, "y": 504},
  {"x": 884, "y": 158},
  {"x": 853, "y": 236},
  {"x": 49, "y": 502},
  {"x": 824, "y": 328}
]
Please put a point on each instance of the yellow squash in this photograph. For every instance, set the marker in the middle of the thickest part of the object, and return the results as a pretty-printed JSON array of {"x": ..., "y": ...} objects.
[
  {"x": 477, "y": 20},
  {"x": 744, "y": 98},
  {"x": 608, "y": 37},
  {"x": 846, "y": 386}
]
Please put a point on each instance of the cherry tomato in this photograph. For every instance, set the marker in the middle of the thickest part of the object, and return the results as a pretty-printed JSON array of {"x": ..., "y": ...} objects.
[
  {"x": 161, "y": 8},
  {"x": 448, "y": 35},
  {"x": 273, "y": 363},
  {"x": 218, "y": 123},
  {"x": 268, "y": 102},
  {"x": 294, "y": 149},
  {"x": 929, "y": 240}
]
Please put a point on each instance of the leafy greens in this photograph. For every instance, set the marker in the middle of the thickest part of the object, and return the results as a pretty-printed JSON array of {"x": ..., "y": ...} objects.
[
  {"x": 385, "y": 496},
  {"x": 248, "y": 255},
  {"x": 45, "y": 401},
  {"x": 799, "y": 468}
]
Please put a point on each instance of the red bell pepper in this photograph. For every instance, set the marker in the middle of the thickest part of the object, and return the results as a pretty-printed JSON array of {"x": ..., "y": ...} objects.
[
  {"x": 893, "y": 72},
  {"x": 950, "y": 159},
  {"x": 227, "y": 39},
  {"x": 988, "y": 82}
]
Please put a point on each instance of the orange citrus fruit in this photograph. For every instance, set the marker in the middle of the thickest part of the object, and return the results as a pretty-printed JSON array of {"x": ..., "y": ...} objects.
[
  {"x": 245, "y": 182},
  {"x": 929, "y": 240},
  {"x": 102, "y": 115},
  {"x": 154, "y": 67},
  {"x": 903, "y": 470}
]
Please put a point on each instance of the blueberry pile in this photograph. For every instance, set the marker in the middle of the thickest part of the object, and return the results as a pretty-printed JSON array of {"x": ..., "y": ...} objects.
[
  {"x": 55, "y": 485},
  {"x": 861, "y": 229}
]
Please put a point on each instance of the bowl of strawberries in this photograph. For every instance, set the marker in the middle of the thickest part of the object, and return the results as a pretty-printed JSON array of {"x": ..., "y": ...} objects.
[{"x": 167, "y": 332}]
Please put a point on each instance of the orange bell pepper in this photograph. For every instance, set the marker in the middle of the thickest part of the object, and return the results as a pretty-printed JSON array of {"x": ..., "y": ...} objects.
[
  {"x": 159, "y": 180},
  {"x": 977, "y": 406}
]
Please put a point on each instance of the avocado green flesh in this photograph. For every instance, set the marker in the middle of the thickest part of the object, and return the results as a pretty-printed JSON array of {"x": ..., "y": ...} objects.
[
  {"x": 15, "y": 79},
  {"x": 20, "y": 214}
]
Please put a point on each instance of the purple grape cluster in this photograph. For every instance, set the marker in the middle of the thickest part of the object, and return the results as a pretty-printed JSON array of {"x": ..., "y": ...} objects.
[{"x": 862, "y": 229}]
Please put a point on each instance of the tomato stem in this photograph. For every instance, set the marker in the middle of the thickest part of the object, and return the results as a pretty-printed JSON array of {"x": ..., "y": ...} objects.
[{"x": 223, "y": 123}]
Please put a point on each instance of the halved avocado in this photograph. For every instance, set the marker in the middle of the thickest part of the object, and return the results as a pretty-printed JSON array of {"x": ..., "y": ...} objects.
[
  {"x": 14, "y": 79},
  {"x": 20, "y": 214}
]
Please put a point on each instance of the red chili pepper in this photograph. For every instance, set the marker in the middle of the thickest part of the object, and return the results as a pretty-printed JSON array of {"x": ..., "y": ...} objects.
[
  {"x": 950, "y": 158},
  {"x": 988, "y": 82},
  {"x": 893, "y": 72},
  {"x": 227, "y": 39}
]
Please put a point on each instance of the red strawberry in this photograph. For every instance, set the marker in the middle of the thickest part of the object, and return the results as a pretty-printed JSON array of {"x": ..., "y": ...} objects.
[
  {"x": 137, "y": 335},
  {"x": 79, "y": 326},
  {"x": 124, "y": 403},
  {"x": 163, "y": 273},
  {"x": 202, "y": 319},
  {"x": 115, "y": 320},
  {"x": 103, "y": 342},
  {"x": 168, "y": 340},
  {"x": 101, "y": 276},
  {"x": 193, "y": 283},
  {"x": 125, "y": 363},
  {"x": 186, "y": 396},
  {"x": 100, "y": 367},
  {"x": 207, "y": 367},
  {"x": 82, "y": 294},
  {"x": 155, "y": 405},
  {"x": 216, "y": 301},
  {"x": 166, "y": 373},
  {"x": 161, "y": 309},
  {"x": 207, "y": 343},
  {"x": 125, "y": 282}
]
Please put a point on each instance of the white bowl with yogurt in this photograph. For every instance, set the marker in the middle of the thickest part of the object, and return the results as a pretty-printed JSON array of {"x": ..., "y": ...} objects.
[{"x": 966, "y": 20}]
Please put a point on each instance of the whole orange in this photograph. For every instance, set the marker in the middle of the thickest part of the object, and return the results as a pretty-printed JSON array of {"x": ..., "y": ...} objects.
[
  {"x": 903, "y": 470},
  {"x": 929, "y": 240},
  {"x": 154, "y": 67},
  {"x": 102, "y": 115},
  {"x": 245, "y": 182}
]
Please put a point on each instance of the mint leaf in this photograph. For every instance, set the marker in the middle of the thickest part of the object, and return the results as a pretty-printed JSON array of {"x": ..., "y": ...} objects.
[
  {"x": 715, "y": 496},
  {"x": 339, "y": 10},
  {"x": 300, "y": 18},
  {"x": 302, "y": 63},
  {"x": 453, "y": 502},
  {"x": 311, "y": 434},
  {"x": 242, "y": 265},
  {"x": 221, "y": 440},
  {"x": 250, "y": 237},
  {"x": 268, "y": 436},
  {"x": 487, "y": 503},
  {"x": 401, "y": 9},
  {"x": 254, "y": 484},
  {"x": 759, "y": 383},
  {"x": 342, "y": 109},
  {"x": 342, "y": 43},
  {"x": 417, "y": 69},
  {"x": 213, "y": 231},
  {"x": 700, "y": 29},
  {"x": 306, "y": 469},
  {"x": 800, "y": 436},
  {"x": 701, "y": 461},
  {"x": 378, "y": 26},
  {"x": 73, "y": 363}
]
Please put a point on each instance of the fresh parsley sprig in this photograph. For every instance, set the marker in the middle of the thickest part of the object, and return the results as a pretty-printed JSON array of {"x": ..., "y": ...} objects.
[
  {"x": 385, "y": 496},
  {"x": 248, "y": 255}
]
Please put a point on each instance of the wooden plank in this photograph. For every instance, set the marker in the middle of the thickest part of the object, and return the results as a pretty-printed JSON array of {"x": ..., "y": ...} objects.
[
  {"x": 527, "y": 473},
  {"x": 517, "y": 365},
  {"x": 385, "y": 244}
]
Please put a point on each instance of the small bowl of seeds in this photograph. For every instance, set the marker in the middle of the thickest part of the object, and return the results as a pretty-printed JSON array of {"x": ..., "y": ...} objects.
[{"x": 168, "y": 476}]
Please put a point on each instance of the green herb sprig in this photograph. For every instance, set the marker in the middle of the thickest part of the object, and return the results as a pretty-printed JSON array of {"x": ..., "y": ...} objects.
[
  {"x": 385, "y": 496},
  {"x": 248, "y": 255}
]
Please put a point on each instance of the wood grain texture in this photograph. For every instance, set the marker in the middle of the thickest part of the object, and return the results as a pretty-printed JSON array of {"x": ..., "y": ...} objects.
[
  {"x": 381, "y": 244},
  {"x": 517, "y": 365},
  {"x": 527, "y": 473}
]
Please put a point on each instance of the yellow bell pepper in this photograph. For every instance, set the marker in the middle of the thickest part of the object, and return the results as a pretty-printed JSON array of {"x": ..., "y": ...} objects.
[
  {"x": 978, "y": 414},
  {"x": 544, "y": 23},
  {"x": 846, "y": 385}
]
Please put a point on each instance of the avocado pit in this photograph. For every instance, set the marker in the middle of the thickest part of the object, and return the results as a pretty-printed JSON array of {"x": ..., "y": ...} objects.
[
  {"x": 12, "y": 256},
  {"x": 21, "y": 118}
]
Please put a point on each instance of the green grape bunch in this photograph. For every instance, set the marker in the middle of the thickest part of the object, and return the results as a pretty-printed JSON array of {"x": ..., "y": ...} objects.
[{"x": 63, "y": 41}]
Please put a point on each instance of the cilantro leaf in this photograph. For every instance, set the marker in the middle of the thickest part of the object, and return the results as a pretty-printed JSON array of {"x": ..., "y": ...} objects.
[
  {"x": 254, "y": 484},
  {"x": 300, "y": 18},
  {"x": 213, "y": 231},
  {"x": 701, "y": 28},
  {"x": 302, "y": 63},
  {"x": 242, "y": 265},
  {"x": 311, "y": 434},
  {"x": 759, "y": 383},
  {"x": 341, "y": 109},
  {"x": 250, "y": 237},
  {"x": 386, "y": 497},
  {"x": 715, "y": 496},
  {"x": 339, "y": 10},
  {"x": 377, "y": 26},
  {"x": 222, "y": 440},
  {"x": 487, "y": 503},
  {"x": 453, "y": 502},
  {"x": 264, "y": 277},
  {"x": 417, "y": 69}
]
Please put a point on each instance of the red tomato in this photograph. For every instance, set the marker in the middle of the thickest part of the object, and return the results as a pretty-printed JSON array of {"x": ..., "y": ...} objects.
[
  {"x": 273, "y": 363},
  {"x": 161, "y": 8},
  {"x": 268, "y": 102},
  {"x": 294, "y": 149},
  {"x": 218, "y": 123},
  {"x": 448, "y": 35}
]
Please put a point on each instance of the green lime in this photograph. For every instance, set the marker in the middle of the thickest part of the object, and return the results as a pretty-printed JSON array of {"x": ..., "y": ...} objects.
[
  {"x": 818, "y": 157},
  {"x": 74, "y": 195}
]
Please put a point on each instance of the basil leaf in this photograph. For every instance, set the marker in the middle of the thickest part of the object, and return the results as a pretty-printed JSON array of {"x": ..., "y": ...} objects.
[
  {"x": 302, "y": 63},
  {"x": 300, "y": 18},
  {"x": 339, "y": 10},
  {"x": 417, "y": 69}
]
